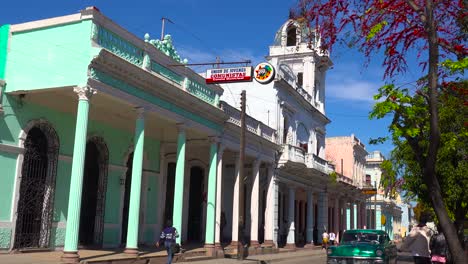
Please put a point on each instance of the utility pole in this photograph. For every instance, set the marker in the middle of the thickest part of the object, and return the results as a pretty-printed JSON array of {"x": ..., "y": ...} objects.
[
  {"x": 375, "y": 204},
  {"x": 240, "y": 245}
]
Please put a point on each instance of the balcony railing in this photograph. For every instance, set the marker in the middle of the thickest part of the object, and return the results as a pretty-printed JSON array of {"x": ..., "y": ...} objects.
[
  {"x": 137, "y": 52},
  {"x": 345, "y": 179},
  {"x": 252, "y": 125},
  {"x": 293, "y": 154},
  {"x": 292, "y": 81},
  {"x": 314, "y": 161}
]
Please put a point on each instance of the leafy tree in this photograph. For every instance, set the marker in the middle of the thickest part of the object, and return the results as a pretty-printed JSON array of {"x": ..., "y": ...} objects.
[
  {"x": 433, "y": 29},
  {"x": 403, "y": 172}
]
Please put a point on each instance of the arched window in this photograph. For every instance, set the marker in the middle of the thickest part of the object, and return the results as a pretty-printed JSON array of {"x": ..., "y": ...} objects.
[{"x": 291, "y": 40}]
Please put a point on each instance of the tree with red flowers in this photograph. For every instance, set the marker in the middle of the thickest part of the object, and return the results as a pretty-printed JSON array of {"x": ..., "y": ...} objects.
[{"x": 434, "y": 30}]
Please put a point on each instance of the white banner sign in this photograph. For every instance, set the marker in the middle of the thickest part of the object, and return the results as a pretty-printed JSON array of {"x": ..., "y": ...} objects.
[{"x": 239, "y": 74}]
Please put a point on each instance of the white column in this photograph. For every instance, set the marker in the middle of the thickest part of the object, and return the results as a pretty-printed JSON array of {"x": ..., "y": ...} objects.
[
  {"x": 276, "y": 212},
  {"x": 336, "y": 217},
  {"x": 235, "y": 205},
  {"x": 219, "y": 198},
  {"x": 310, "y": 218},
  {"x": 291, "y": 241},
  {"x": 271, "y": 200},
  {"x": 322, "y": 215},
  {"x": 254, "y": 202}
]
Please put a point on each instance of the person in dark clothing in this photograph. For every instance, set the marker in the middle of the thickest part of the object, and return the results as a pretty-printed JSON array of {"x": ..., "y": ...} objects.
[
  {"x": 439, "y": 248},
  {"x": 168, "y": 236}
]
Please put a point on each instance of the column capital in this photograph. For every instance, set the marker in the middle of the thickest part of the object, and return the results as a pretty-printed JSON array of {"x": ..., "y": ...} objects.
[
  {"x": 308, "y": 59},
  {"x": 213, "y": 139},
  {"x": 84, "y": 92},
  {"x": 140, "y": 112},
  {"x": 221, "y": 149},
  {"x": 181, "y": 127}
]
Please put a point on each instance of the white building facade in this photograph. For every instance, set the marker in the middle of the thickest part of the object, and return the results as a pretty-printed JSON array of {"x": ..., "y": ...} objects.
[
  {"x": 384, "y": 213},
  {"x": 306, "y": 199}
]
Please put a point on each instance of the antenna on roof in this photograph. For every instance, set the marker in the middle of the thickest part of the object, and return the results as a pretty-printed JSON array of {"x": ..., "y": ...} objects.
[{"x": 162, "y": 27}]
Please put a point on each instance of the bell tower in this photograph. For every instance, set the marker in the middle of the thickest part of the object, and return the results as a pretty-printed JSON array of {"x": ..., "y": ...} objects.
[{"x": 298, "y": 60}]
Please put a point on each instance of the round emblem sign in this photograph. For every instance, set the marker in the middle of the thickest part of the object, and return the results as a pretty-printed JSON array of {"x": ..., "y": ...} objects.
[{"x": 264, "y": 72}]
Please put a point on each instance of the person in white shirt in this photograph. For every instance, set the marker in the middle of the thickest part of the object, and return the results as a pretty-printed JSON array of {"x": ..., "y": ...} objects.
[
  {"x": 325, "y": 239},
  {"x": 332, "y": 237}
]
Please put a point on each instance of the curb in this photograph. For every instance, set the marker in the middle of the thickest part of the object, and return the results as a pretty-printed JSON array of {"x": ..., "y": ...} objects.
[{"x": 291, "y": 256}]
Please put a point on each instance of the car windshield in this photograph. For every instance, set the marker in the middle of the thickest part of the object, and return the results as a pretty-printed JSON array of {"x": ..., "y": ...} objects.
[{"x": 353, "y": 237}]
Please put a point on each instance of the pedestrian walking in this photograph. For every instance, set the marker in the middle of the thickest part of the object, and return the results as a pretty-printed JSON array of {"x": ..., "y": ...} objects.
[
  {"x": 332, "y": 237},
  {"x": 417, "y": 242},
  {"x": 439, "y": 248},
  {"x": 168, "y": 236},
  {"x": 325, "y": 239}
]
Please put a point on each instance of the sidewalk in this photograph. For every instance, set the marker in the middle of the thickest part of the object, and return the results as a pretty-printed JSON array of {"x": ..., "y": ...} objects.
[
  {"x": 148, "y": 257},
  {"x": 268, "y": 258}
]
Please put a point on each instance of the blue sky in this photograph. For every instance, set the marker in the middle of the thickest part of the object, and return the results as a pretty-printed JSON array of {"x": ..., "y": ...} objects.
[{"x": 234, "y": 30}]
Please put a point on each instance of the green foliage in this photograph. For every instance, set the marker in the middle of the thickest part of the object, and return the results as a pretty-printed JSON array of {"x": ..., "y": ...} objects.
[
  {"x": 410, "y": 133},
  {"x": 456, "y": 66},
  {"x": 333, "y": 177},
  {"x": 375, "y": 30}
]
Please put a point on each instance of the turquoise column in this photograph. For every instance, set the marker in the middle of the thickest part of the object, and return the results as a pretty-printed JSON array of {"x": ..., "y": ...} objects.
[
  {"x": 211, "y": 197},
  {"x": 179, "y": 182},
  {"x": 348, "y": 217},
  {"x": 135, "y": 189},
  {"x": 70, "y": 250}
]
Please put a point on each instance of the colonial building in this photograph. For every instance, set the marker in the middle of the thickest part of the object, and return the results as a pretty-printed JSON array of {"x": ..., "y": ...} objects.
[
  {"x": 348, "y": 154},
  {"x": 308, "y": 200},
  {"x": 101, "y": 141},
  {"x": 384, "y": 213}
]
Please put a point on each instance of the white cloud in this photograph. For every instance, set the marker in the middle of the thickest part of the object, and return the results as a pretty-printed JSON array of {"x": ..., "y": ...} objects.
[{"x": 351, "y": 89}]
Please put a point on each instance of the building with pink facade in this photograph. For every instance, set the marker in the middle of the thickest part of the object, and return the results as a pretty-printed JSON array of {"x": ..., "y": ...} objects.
[{"x": 348, "y": 154}]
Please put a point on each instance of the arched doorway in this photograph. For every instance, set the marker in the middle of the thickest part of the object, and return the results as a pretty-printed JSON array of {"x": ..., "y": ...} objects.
[
  {"x": 36, "y": 191},
  {"x": 126, "y": 201},
  {"x": 196, "y": 201},
  {"x": 94, "y": 193}
]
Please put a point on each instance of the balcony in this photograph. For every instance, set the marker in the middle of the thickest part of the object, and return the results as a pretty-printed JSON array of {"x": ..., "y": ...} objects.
[
  {"x": 252, "y": 125},
  {"x": 291, "y": 80},
  {"x": 314, "y": 161},
  {"x": 342, "y": 178},
  {"x": 145, "y": 54},
  {"x": 293, "y": 154}
]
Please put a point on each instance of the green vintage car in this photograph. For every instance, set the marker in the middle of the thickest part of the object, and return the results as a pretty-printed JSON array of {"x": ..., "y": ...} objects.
[{"x": 363, "y": 246}]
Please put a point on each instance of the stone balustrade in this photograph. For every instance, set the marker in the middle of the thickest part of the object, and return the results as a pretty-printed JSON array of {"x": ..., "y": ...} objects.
[
  {"x": 252, "y": 125},
  {"x": 141, "y": 53}
]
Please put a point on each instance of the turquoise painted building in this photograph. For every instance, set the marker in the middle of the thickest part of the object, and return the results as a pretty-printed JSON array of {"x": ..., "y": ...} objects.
[{"x": 101, "y": 141}]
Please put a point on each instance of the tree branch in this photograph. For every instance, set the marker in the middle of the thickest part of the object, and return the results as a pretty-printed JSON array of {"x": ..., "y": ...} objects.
[{"x": 418, "y": 10}]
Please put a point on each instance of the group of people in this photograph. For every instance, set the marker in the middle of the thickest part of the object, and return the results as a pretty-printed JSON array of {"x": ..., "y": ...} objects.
[
  {"x": 426, "y": 247},
  {"x": 328, "y": 238}
]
